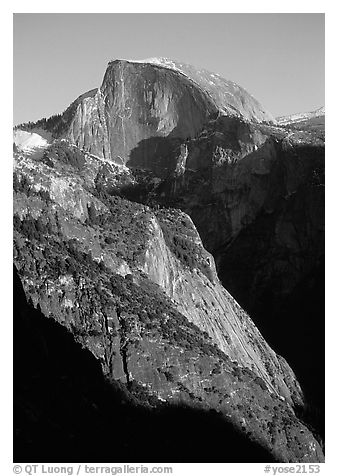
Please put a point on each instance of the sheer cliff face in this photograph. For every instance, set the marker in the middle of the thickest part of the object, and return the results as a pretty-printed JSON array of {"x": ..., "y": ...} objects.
[
  {"x": 176, "y": 260},
  {"x": 139, "y": 101},
  {"x": 136, "y": 102},
  {"x": 137, "y": 288}
]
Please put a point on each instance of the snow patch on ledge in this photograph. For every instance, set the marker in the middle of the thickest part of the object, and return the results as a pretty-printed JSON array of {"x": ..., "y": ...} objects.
[
  {"x": 165, "y": 62},
  {"x": 28, "y": 140}
]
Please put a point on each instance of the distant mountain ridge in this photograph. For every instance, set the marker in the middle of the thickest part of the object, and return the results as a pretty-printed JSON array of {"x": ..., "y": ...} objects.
[{"x": 302, "y": 116}]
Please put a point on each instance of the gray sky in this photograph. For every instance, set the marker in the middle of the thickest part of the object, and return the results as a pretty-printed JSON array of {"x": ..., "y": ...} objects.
[{"x": 278, "y": 58}]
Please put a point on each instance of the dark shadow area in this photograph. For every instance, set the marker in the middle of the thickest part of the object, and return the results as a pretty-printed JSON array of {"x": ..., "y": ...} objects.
[
  {"x": 293, "y": 323},
  {"x": 66, "y": 411},
  {"x": 157, "y": 154}
]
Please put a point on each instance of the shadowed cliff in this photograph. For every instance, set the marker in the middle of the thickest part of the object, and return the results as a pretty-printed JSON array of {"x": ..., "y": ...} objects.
[{"x": 256, "y": 196}]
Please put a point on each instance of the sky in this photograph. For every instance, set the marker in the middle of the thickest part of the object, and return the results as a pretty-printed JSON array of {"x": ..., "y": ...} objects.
[{"x": 278, "y": 58}]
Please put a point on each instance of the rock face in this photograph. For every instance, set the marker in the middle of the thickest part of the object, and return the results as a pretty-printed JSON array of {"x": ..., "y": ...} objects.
[
  {"x": 136, "y": 102},
  {"x": 233, "y": 171},
  {"x": 231, "y": 99},
  {"x": 136, "y": 287},
  {"x": 140, "y": 103}
]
